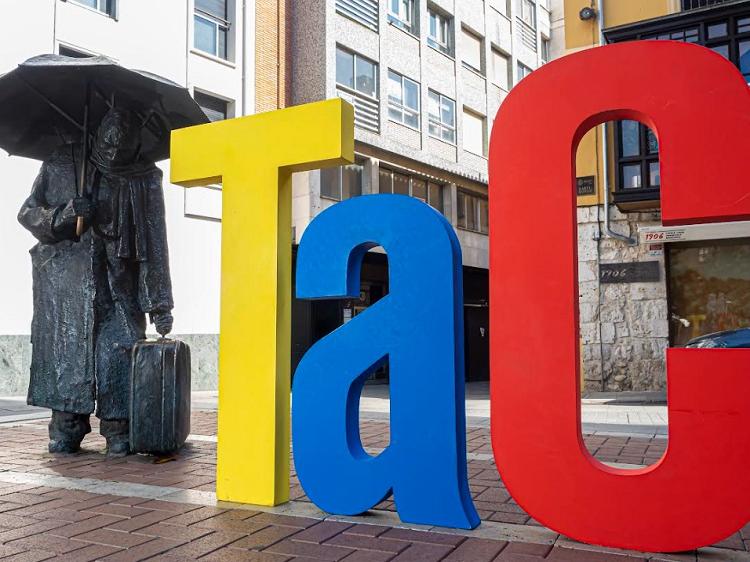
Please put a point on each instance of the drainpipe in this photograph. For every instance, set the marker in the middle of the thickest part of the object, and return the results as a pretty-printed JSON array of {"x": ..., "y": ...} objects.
[{"x": 605, "y": 151}]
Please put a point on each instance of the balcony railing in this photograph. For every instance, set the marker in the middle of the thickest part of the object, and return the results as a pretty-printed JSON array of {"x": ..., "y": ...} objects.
[{"x": 688, "y": 5}]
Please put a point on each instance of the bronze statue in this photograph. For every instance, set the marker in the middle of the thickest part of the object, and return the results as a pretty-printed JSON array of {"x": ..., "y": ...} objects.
[{"x": 92, "y": 293}]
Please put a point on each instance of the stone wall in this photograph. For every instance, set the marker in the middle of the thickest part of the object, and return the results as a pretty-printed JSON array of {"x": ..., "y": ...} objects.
[
  {"x": 624, "y": 327},
  {"x": 15, "y": 361}
]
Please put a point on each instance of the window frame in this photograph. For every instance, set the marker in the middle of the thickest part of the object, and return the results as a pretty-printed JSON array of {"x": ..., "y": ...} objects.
[
  {"x": 214, "y": 98},
  {"x": 483, "y": 123},
  {"x": 521, "y": 68},
  {"x": 111, "y": 12},
  {"x": 531, "y": 4},
  {"x": 400, "y": 106},
  {"x": 353, "y": 89},
  {"x": 220, "y": 25},
  {"x": 407, "y": 21},
  {"x": 508, "y": 69},
  {"x": 643, "y": 159},
  {"x": 439, "y": 122},
  {"x": 544, "y": 49},
  {"x": 434, "y": 42},
  {"x": 465, "y": 31}
]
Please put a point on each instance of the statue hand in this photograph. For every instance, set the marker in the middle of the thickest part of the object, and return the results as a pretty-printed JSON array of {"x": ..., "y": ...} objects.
[
  {"x": 78, "y": 207},
  {"x": 162, "y": 321}
]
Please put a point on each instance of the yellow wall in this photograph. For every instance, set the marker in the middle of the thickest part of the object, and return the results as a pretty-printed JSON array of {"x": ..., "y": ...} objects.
[{"x": 585, "y": 34}]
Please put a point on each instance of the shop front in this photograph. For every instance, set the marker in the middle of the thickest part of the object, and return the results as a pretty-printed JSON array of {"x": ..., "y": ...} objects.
[{"x": 709, "y": 287}]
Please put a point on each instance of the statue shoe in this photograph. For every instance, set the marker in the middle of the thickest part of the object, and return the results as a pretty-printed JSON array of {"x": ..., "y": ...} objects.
[
  {"x": 63, "y": 446},
  {"x": 118, "y": 448}
]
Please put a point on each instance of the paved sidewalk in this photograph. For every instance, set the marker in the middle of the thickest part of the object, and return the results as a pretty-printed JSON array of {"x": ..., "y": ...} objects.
[{"x": 86, "y": 507}]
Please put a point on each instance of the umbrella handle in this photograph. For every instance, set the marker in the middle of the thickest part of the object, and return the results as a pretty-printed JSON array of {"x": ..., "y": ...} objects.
[{"x": 79, "y": 227}]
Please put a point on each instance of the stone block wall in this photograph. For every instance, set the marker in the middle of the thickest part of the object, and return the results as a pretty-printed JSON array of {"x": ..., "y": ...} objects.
[{"x": 624, "y": 326}]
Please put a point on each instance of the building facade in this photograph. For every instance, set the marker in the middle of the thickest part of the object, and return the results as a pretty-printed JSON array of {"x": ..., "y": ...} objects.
[
  {"x": 644, "y": 287},
  {"x": 208, "y": 46},
  {"x": 426, "y": 79}
]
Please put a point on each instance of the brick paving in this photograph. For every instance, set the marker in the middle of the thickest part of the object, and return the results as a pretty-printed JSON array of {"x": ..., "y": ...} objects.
[{"x": 40, "y": 523}]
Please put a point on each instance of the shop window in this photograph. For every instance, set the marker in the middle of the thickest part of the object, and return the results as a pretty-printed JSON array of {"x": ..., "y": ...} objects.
[
  {"x": 342, "y": 182},
  {"x": 709, "y": 288},
  {"x": 473, "y": 212},
  {"x": 401, "y": 183}
]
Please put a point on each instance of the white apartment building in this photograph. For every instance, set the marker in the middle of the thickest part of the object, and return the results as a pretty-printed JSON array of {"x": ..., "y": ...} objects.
[
  {"x": 205, "y": 45},
  {"x": 426, "y": 78}
]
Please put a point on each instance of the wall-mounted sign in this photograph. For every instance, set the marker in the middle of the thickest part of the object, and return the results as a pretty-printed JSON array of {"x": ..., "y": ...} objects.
[
  {"x": 655, "y": 250},
  {"x": 635, "y": 272},
  {"x": 586, "y": 186},
  {"x": 693, "y": 232}
]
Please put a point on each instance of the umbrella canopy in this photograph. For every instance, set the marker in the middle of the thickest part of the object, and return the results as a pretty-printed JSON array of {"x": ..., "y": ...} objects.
[{"x": 43, "y": 101}]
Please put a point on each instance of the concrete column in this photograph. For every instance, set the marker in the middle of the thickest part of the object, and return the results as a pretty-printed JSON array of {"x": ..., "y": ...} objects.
[{"x": 371, "y": 176}]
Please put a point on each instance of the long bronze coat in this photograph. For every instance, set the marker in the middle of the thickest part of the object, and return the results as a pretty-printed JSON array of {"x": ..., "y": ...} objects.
[{"x": 91, "y": 295}]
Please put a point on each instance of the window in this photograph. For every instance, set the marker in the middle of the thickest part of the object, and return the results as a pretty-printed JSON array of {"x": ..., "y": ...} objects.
[
  {"x": 501, "y": 76},
  {"x": 211, "y": 27},
  {"x": 104, "y": 6},
  {"x": 342, "y": 182},
  {"x": 523, "y": 71},
  {"x": 528, "y": 12},
  {"x": 441, "y": 32},
  {"x": 357, "y": 82},
  {"x": 404, "y": 184},
  {"x": 215, "y": 109},
  {"x": 474, "y": 139},
  {"x": 638, "y": 157},
  {"x": 545, "y": 50},
  {"x": 637, "y": 152},
  {"x": 356, "y": 73},
  {"x": 402, "y": 13},
  {"x": 361, "y": 11},
  {"x": 471, "y": 46},
  {"x": 442, "y": 114},
  {"x": 473, "y": 213},
  {"x": 403, "y": 100}
]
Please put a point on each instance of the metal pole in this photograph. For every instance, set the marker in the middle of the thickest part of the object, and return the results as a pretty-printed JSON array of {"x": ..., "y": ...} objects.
[
  {"x": 605, "y": 151},
  {"x": 82, "y": 179}
]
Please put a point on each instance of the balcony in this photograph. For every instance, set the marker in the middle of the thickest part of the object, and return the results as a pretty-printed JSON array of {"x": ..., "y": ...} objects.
[{"x": 688, "y": 5}]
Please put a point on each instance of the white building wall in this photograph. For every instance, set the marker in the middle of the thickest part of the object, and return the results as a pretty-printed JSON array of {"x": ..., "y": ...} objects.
[
  {"x": 497, "y": 22},
  {"x": 147, "y": 35}
]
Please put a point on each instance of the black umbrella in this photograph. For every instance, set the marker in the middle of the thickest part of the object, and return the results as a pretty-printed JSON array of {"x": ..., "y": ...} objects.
[{"x": 51, "y": 99}]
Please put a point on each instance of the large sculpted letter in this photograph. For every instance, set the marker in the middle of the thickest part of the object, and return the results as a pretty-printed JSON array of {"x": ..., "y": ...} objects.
[
  {"x": 255, "y": 157},
  {"x": 418, "y": 328},
  {"x": 699, "y": 106}
]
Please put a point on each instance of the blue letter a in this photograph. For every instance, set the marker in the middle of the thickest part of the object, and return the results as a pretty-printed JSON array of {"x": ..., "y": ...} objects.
[{"x": 418, "y": 329}]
